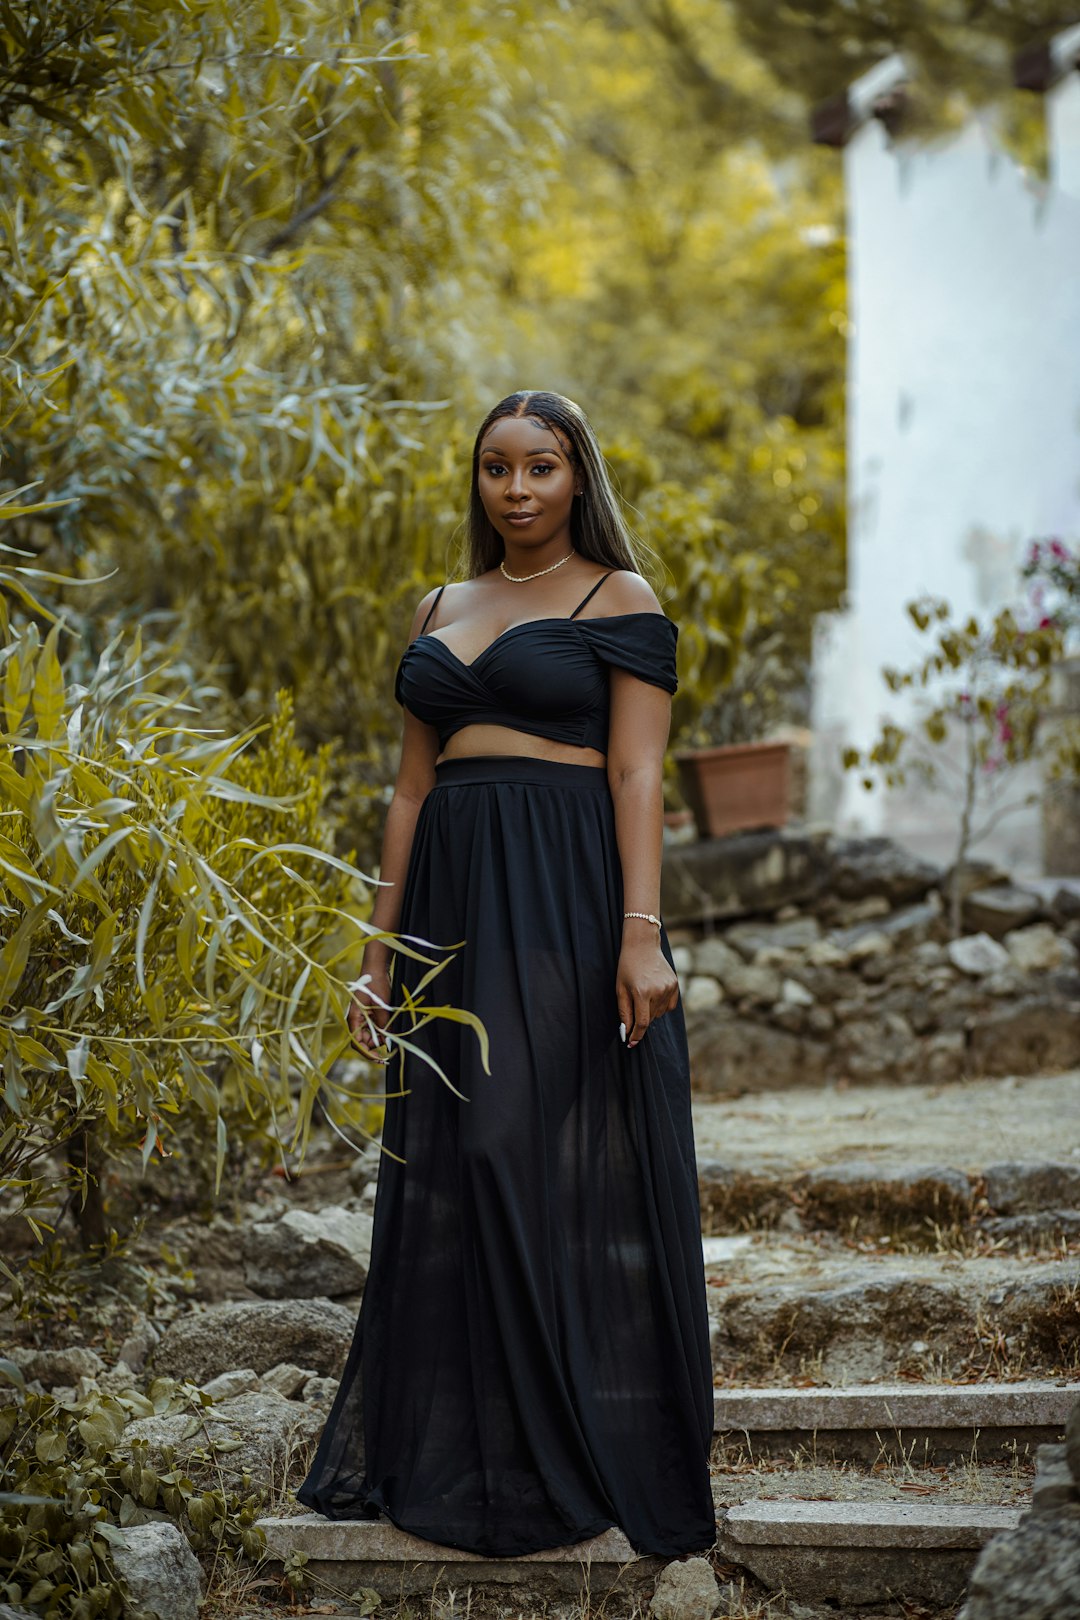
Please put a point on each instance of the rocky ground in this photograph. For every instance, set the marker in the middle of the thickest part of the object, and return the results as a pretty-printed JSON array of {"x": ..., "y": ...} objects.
[
  {"x": 849, "y": 1236},
  {"x": 874, "y": 1231},
  {"x": 888, "y": 1150},
  {"x": 807, "y": 959}
]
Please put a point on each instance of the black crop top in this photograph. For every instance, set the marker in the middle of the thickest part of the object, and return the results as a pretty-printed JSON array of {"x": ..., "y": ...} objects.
[{"x": 545, "y": 676}]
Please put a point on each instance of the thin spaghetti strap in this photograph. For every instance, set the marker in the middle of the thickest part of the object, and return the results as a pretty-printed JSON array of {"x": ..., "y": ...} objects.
[
  {"x": 595, "y": 588},
  {"x": 433, "y": 606}
]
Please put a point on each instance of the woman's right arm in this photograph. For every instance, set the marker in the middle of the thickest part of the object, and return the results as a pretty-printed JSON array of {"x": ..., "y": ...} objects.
[{"x": 415, "y": 777}]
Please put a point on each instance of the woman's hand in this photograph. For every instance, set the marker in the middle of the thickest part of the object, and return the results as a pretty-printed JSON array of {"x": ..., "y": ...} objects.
[
  {"x": 367, "y": 1018},
  {"x": 646, "y": 986}
]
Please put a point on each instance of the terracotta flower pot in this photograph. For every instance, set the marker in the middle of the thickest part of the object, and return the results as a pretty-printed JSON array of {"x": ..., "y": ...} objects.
[{"x": 736, "y": 786}]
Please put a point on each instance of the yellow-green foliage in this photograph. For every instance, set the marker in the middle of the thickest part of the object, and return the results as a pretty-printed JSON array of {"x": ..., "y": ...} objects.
[
  {"x": 177, "y": 933},
  {"x": 271, "y": 261}
]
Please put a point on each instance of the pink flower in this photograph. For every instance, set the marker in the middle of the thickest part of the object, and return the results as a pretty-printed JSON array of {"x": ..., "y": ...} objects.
[{"x": 1058, "y": 551}]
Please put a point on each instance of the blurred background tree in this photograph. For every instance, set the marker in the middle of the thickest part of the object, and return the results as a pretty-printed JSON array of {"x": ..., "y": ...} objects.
[
  {"x": 959, "y": 52},
  {"x": 264, "y": 264},
  {"x": 241, "y": 242}
]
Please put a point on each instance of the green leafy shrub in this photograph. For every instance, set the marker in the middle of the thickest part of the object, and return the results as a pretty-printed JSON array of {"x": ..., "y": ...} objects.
[
  {"x": 73, "y": 1486},
  {"x": 177, "y": 931}
]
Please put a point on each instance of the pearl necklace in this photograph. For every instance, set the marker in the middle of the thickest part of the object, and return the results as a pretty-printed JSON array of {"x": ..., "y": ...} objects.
[{"x": 519, "y": 579}]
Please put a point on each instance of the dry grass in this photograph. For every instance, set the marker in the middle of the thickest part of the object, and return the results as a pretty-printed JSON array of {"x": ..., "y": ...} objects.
[{"x": 897, "y": 1472}]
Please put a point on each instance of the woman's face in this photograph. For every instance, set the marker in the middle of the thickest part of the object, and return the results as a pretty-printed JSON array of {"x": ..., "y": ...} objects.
[{"x": 527, "y": 481}]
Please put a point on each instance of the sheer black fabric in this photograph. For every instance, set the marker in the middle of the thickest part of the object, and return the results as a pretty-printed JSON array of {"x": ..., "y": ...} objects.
[{"x": 531, "y": 1361}]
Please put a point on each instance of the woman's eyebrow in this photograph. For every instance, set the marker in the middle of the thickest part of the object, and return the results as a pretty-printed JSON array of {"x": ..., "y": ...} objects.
[{"x": 544, "y": 450}]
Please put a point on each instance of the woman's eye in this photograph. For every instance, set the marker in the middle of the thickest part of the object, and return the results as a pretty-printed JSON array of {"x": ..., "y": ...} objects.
[{"x": 543, "y": 467}]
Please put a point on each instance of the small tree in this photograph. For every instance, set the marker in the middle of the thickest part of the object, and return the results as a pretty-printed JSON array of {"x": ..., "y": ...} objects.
[
  {"x": 1054, "y": 571},
  {"x": 990, "y": 684}
]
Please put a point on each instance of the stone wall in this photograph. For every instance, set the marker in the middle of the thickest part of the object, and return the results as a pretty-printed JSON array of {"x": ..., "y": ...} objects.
[{"x": 805, "y": 958}]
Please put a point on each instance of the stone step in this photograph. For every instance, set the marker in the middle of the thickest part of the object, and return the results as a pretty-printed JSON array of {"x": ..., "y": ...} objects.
[
  {"x": 855, "y": 1163},
  {"x": 846, "y": 1551},
  {"x": 818, "y": 1311},
  {"x": 1009, "y": 1205},
  {"x": 921, "y": 1422},
  {"x": 344, "y": 1555},
  {"x": 869, "y": 1160},
  {"x": 861, "y": 1552}
]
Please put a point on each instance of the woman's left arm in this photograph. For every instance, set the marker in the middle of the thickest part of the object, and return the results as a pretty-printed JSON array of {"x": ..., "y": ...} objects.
[{"x": 646, "y": 984}]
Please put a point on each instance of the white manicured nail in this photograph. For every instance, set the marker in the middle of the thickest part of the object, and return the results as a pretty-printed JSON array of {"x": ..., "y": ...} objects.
[{"x": 622, "y": 1032}]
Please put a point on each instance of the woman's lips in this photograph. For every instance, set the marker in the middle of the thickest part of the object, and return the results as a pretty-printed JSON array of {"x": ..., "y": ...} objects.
[{"x": 521, "y": 517}]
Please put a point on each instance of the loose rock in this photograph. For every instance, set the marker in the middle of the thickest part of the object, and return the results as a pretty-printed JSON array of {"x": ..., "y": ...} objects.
[
  {"x": 1031, "y": 1036},
  {"x": 702, "y": 992},
  {"x": 755, "y": 984},
  {"x": 163, "y": 1575},
  {"x": 228, "y": 1384},
  {"x": 54, "y": 1368},
  {"x": 715, "y": 958},
  {"x": 312, "y": 1332},
  {"x": 997, "y": 910},
  {"x": 751, "y": 937},
  {"x": 686, "y": 1590},
  {"x": 791, "y": 990},
  {"x": 324, "y": 1252},
  {"x": 877, "y": 866},
  {"x": 977, "y": 954},
  {"x": 1039, "y": 949},
  {"x": 1034, "y": 1570},
  {"x": 138, "y": 1345},
  {"x": 287, "y": 1379}
]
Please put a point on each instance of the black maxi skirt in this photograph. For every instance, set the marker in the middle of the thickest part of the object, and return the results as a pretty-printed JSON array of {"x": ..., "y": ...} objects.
[{"x": 531, "y": 1362}]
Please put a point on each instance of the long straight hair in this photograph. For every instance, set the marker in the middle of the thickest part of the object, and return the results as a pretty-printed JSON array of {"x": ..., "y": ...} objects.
[{"x": 598, "y": 529}]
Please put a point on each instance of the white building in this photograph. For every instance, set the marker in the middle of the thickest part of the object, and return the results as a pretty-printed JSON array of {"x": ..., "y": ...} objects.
[{"x": 963, "y": 424}]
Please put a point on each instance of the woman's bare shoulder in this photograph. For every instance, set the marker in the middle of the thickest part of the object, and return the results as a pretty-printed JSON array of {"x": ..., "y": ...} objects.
[
  {"x": 627, "y": 592},
  {"x": 444, "y": 594}
]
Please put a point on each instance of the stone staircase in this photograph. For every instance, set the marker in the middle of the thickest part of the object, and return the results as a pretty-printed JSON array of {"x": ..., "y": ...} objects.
[
  {"x": 859, "y": 1495},
  {"x": 889, "y": 1354},
  {"x": 916, "y": 1479},
  {"x": 895, "y": 1296}
]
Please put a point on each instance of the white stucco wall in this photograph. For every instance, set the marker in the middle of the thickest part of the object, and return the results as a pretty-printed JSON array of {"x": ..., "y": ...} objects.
[{"x": 963, "y": 421}]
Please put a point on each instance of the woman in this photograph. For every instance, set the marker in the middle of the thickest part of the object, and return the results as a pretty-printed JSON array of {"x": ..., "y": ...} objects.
[{"x": 531, "y": 1362}]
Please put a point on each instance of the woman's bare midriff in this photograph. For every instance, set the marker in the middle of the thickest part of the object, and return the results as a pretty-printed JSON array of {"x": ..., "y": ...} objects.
[{"x": 482, "y": 739}]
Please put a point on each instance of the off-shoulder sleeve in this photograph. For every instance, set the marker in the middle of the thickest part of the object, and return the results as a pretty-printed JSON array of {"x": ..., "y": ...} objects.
[{"x": 643, "y": 643}]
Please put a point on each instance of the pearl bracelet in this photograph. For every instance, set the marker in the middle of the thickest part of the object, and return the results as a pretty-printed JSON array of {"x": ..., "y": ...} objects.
[{"x": 648, "y": 916}]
